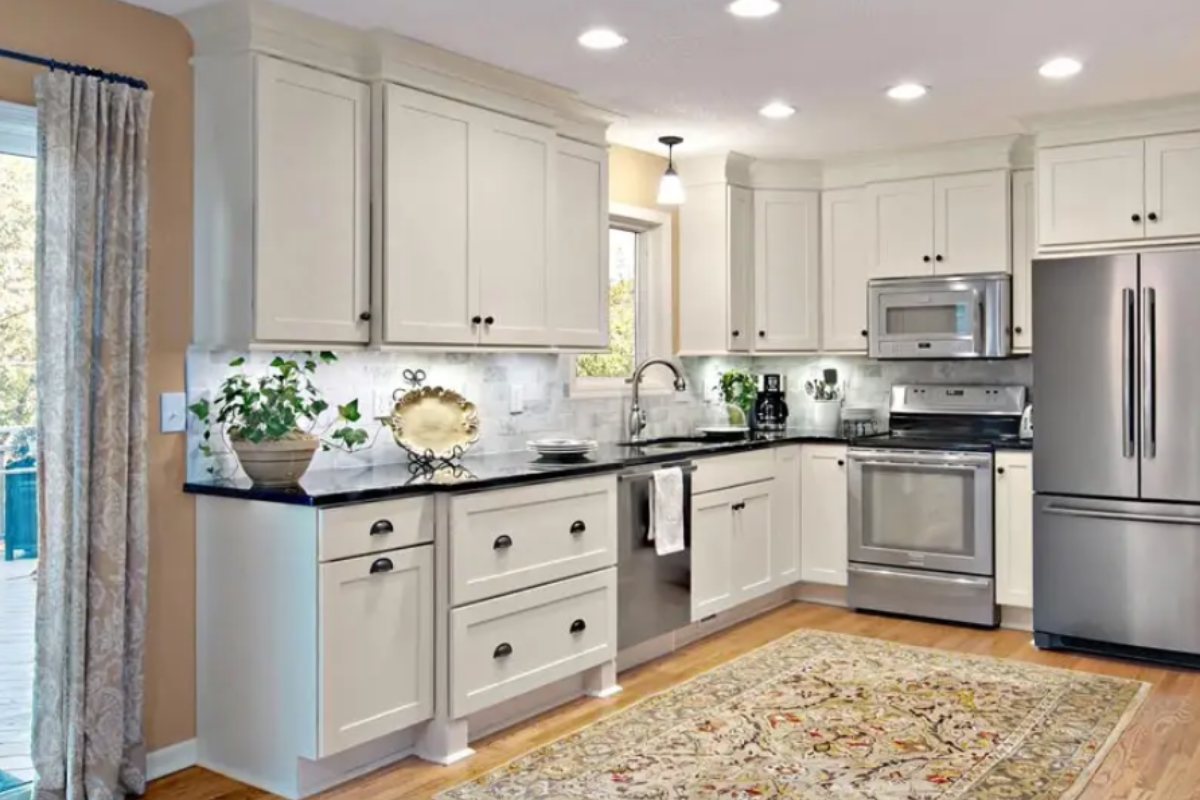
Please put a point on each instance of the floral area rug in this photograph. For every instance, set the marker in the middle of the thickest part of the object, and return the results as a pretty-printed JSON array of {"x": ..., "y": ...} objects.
[{"x": 819, "y": 715}]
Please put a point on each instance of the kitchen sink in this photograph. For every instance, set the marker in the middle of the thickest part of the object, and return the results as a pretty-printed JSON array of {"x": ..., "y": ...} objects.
[{"x": 670, "y": 443}]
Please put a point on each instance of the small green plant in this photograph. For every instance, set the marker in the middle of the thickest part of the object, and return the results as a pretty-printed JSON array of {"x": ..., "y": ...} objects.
[
  {"x": 280, "y": 405},
  {"x": 737, "y": 388}
]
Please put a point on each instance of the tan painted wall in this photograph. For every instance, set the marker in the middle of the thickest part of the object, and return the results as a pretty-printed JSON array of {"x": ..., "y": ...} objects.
[
  {"x": 633, "y": 177},
  {"x": 121, "y": 38}
]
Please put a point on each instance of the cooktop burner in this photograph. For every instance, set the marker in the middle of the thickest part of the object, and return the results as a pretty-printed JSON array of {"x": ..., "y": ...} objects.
[
  {"x": 936, "y": 417},
  {"x": 937, "y": 440}
]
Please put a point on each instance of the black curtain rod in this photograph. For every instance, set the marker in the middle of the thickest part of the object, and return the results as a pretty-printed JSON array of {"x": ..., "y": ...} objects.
[{"x": 74, "y": 69}]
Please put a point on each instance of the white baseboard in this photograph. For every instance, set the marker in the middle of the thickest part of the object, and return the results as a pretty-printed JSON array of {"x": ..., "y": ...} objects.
[{"x": 172, "y": 758}]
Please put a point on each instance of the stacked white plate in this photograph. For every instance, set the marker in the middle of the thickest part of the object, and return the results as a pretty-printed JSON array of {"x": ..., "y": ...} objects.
[{"x": 562, "y": 449}]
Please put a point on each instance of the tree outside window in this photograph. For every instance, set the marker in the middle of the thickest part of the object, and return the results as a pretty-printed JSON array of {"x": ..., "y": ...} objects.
[{"x": 619, "y": 361}]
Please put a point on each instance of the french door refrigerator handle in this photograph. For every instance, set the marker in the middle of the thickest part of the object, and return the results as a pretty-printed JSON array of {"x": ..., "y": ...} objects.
[
  {"x": 1149, "y": 373},
  {"x": 1128, "y": 403},
  {"x": 1120, "y": 516}
]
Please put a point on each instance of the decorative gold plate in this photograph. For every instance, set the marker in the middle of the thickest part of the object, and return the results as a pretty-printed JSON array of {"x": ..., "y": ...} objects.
[{"x": 434, "y": 421}]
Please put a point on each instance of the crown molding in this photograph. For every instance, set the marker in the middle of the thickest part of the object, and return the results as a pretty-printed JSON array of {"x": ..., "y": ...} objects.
[
  {"x": 256, "y": 26},
  {"x": 973, "y": 155},
  {"x": 724, "y": 168},
  {"x": 787, "y": 174},
  {"x": 1173, "y": 114}
]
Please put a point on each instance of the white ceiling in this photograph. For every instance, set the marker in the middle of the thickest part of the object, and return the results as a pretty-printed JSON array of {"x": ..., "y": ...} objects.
[{"x": 692, "y": 69}]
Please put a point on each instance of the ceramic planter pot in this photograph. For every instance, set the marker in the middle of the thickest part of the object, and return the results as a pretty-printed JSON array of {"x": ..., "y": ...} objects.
[{"x": 280, "y": 463}]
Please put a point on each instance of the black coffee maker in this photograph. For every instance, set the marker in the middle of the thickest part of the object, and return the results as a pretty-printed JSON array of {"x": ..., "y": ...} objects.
[{"x": 770, "y": 406}]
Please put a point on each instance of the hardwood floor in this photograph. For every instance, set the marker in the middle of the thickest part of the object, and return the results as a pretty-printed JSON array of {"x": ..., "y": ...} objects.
[{"x": 1158, "y": 757}]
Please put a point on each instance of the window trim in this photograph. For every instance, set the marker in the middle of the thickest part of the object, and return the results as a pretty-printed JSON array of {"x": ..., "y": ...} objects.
[
  {"x": 18, "y": 129},
  {"x": 654, "y": 314}
]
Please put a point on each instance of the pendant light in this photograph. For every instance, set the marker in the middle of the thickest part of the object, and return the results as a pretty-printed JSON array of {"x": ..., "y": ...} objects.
[{"x": 670, "y": 188}]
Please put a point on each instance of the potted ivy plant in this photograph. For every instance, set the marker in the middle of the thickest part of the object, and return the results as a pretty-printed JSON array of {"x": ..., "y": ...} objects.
[
  {"x": 738, "y": 390},
  {"x": 273, "y": 421}
]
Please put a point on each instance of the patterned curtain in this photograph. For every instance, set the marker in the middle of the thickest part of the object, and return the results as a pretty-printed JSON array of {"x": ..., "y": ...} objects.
[{"x": 92, "y": 419}]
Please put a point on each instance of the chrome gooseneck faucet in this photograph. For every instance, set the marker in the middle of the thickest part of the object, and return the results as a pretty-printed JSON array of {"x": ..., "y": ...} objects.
[{"x": 637, "y": 417}]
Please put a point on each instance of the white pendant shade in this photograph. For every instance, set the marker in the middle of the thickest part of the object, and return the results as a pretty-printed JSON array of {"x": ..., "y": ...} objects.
[{"x": 670, "y": 189}]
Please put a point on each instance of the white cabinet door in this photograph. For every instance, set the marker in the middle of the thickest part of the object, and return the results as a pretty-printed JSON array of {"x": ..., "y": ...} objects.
[
  {"x": 845, "y": 268},
  {"x": 785, "y": 517},
  {"x": 786, "y": 271},
  {"x": 579, "y": 280},
  {"x": 741, "y": 269},
  {"x": 1024, "y": 249},
  {"x": 971, "y": 223},
  {"x": 430, "y": 291},
  {"x": 1014, "y": 529},
  {"x": 376, "y": 646},
  {"x": 752, "y": 542},
  {"x": 1091, "y": 193},
  {"x": 824, "y": 514},
  {"x": 312, "y": 211},
  {"x": 1173, "y": 185},
  {"x": 712, "y": 552},
  {"x": 512, "y": 190},
  {"x": 900, "y": 214}
]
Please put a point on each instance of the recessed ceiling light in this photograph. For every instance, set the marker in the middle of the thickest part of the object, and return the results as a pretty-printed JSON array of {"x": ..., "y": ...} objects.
[
  {"x": 753, "y": 8},
  {"x": 1060, "y": 68},
  {"x": 777, "y": 110},
  {"x": 601, "y": 39},
  {"x": 907, "y": 91}
]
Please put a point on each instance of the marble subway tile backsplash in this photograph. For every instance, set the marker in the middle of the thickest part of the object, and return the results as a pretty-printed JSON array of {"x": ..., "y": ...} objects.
[{"x": 544, "y": 380}]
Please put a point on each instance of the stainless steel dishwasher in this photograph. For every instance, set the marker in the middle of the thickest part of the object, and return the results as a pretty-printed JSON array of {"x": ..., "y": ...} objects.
[{"x": 654, "y": 594}]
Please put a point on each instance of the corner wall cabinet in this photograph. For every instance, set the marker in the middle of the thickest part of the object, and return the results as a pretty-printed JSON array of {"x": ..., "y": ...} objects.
[
  {"x": 948, "y": 225},
  {"x": 1126, "y": 190}
]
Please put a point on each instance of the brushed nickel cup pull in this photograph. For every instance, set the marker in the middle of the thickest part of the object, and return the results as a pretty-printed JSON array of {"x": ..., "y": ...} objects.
[{"x": 503, "y": 650}]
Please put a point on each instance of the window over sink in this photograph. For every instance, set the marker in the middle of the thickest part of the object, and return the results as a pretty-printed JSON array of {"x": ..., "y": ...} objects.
[{"x": 639, "y": 304}]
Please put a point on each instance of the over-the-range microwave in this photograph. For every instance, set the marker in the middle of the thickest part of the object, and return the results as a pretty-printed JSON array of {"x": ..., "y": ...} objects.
[{"x": 957, "y": 316}]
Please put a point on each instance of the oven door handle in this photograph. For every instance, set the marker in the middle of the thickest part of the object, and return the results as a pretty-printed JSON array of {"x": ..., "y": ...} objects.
[
  {"x": 963, "y": 467},
  {"x": 887, "y": 573}
]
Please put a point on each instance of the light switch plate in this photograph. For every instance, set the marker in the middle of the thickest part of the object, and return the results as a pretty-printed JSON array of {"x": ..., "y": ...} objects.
[
  {"x": 516, "y": 399},
  {"x": 172, "y": 412}
]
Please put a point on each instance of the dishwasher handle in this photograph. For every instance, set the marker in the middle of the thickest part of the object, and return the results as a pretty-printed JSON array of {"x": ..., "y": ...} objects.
[{"x": 646, "y": 471}]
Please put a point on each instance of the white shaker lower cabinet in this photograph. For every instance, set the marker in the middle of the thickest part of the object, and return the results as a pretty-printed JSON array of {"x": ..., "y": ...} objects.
[
  {"x": 1014, "y": 529},
  {"x": 376, "y": 643},
  {"x": 824, "y": 514},
  {"x": 753, "y": 543},
  {"x": 785, "y": 517},
  {"x": 712, "y": 553}
]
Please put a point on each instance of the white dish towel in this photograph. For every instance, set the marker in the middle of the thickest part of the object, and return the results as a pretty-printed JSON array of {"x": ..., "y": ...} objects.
[{"x": 666, "y": 511}]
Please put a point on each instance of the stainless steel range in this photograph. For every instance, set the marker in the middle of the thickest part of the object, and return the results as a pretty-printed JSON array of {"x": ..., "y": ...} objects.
[{"x": 921, "y": 532}]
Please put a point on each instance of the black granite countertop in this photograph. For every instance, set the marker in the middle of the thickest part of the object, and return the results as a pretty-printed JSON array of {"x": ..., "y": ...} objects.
[{"x": 340, "y": 486}]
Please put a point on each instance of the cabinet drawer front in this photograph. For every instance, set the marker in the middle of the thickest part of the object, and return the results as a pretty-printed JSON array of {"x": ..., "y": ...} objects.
[
  {"x": 721, "y": 472},
  {"x": 376, "y": 646},
  {"x": 505, "y": 647},
  {"x": 366, "y": 528},
  {"x": 511, "y": 540}
]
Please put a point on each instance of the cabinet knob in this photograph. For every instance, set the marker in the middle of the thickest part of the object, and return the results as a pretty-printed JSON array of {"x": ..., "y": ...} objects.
[
  {"x": 577, "y": 527},
  {"x": 503, "y": 650},
  {"x": 736, "y": 334},
  {"x": 865, "y": 334},
  {"x": 488, "y": 320},
  {"x": 578, "y": 626},
  {"x": 841, "y": 462},
  {"x": 738, "y": 506},
  {"x": 762, "y": 334},
  {"x": 999, "y": 470},
  {"x": 1137, "y": 217},
  {"x": 381, "y": 565},
  {"x": 502, "y": 542},
  {"x": 476, "y": 320},
  {"x": 927, "y": 259},
  {"x": 1019, "y": 329},
  {"x": 1153, "y": 217},
  {"x": 938, "y": 258},
  {"x": 365, "y": 316},
  {"x": 382, "y": 527}
]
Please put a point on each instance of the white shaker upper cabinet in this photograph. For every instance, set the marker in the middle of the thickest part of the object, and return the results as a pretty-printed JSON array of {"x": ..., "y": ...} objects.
[
  {"x": 430, "y": 290},
  {"x": 845, "y": 269},
  {"x": 312, "y": 218},
  {"x": 740, "y": 233},
  {"x": 1024, "y": 249},
  {"x": 1173, "y": 185},
  {"x": 971, "y": 223},
  {"x": 1091, "y": 193},
  {"x": 824, "y": 508},
  {"x": 579, "y": 276},
  {"x": 512, "y": 190},
  {"x": 786, "y": 271},
  {"x": 901, "y": 231},
  {"x": 716, "y": 270}
]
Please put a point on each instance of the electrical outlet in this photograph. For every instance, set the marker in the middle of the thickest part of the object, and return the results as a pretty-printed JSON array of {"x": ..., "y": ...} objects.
[{"x": 516, "y": 399}]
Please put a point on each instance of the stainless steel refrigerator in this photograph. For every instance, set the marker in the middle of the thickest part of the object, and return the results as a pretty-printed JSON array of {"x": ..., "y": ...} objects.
[{"x": 1116, "y": 454}]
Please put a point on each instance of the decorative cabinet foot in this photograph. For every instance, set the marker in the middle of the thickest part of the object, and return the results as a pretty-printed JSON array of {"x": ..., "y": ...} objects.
[
  {"x": 444, "y": 742},
  {"x": 601, "y": 681}
]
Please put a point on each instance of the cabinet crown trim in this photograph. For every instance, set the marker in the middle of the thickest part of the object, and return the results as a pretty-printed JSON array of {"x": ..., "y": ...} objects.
[{"x": 1137, "y": 119}]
